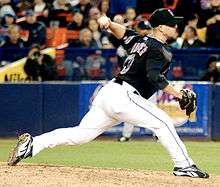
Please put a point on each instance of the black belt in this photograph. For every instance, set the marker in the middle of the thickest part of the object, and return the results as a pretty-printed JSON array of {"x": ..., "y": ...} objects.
[{"x": 119, "y": 81}]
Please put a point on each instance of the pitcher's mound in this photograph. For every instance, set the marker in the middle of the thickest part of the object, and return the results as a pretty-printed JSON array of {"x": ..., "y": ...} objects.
[{"x": 43, "y": 175}]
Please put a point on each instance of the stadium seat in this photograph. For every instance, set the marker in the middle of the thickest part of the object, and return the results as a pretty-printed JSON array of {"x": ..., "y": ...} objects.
[
  {"x": 72, "y": 35},
  {"x": 59, "y": 56},
  {"x": 56, "y": 36}
]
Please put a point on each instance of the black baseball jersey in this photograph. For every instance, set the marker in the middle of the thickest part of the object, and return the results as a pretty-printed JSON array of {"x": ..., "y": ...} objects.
[{"x": 146, "y": 65}]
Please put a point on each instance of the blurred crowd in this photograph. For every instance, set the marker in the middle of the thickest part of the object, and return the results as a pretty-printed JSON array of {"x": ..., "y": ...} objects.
[{"x": 41, "y": 23}]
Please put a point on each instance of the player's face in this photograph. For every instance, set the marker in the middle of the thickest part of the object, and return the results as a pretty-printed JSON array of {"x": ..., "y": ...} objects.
[{"x": 168, "y": 31}]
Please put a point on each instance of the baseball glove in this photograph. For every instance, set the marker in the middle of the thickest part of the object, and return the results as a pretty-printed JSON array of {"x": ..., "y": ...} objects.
[{"x": 188, "y": 101}]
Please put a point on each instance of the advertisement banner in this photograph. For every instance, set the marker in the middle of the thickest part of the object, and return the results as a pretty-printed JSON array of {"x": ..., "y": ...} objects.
[{"x": 197, "y": 123}]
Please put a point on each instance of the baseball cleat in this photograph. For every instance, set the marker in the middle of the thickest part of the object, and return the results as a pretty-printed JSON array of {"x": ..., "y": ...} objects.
[
  {"x": 22, "y": 150},
  {"x": 191, "y": 171}
]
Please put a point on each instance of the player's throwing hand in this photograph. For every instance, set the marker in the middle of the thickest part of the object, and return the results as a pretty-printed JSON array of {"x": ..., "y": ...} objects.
[{"x": 104, "y": 22}]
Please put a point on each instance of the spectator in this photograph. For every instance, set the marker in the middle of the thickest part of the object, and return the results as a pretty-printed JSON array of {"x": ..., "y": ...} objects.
[
  {"x": 106, "y": 44},
  {"x": 6, "y": 8},
  {"x": 77, "y": 22},
  {"x": 212, "y": 73},
  {"x": 23, "y": 5},
  {"x": 104, "y": 8},
  {"x": 94, "y": 13},
  {"x": 36, "y": 29},
  {"x": 119, "y": 19},
  {"x": 40, "y": 67},
  {"x": 41, "y": 9},
  {"x": 95, "y": 66},
  {"x": 73, "y": 3},
  {"x": 58, "y": 12},
  {"x": 8, "y": 20},
  {"x": 211, "y": 19},
  {"x": 13, "y": 39},
  {"x": 191, "y": 40},
  {"x": 130, "y": 17},
  {"x": 60, "y": 5},
  {"x": 96, "y": 35},
  {"x": 84, "y": 6},
  {"x": 79, "y": 70},
  {"x": 85, "y": 40},
  {"x": 193, "y": 20},
  {"x": 175, "y": 42}
]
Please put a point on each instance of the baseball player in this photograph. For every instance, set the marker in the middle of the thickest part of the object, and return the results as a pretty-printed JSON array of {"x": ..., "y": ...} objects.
[
  {"x": 124, "y": 99},
  {"x": 129, "y": 128}
]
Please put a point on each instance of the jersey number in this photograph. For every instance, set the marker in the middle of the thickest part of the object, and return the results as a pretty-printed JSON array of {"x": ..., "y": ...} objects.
[{"x": 127, "y": 64}]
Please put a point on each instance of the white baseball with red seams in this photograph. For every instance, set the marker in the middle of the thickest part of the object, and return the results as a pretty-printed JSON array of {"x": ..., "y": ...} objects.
[{"x": 113, "y": 104}]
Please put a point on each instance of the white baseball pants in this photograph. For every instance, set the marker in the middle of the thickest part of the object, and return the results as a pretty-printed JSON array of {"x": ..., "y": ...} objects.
[
  {"x": 114, "y": 104},
  {"x": 128, "y": 128}
]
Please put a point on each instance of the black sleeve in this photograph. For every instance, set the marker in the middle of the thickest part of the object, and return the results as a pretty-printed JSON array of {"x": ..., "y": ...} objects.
[
  {"x": 129, "y": 39},
  {"x": 154, "y": 65}
]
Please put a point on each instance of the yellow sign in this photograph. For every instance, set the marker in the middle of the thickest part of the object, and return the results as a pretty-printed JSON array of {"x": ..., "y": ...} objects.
[{"x": 14, "y": 72}]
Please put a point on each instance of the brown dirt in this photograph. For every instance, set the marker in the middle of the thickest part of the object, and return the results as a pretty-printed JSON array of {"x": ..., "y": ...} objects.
[{"x": 45, "y": 176}]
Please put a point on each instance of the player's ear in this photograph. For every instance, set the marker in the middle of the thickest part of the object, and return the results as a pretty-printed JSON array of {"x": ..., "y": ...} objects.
[{"x": 160, "y": 28}]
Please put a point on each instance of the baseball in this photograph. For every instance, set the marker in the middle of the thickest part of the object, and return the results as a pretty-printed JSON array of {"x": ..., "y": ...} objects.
[{"x": 104, "y": 22}]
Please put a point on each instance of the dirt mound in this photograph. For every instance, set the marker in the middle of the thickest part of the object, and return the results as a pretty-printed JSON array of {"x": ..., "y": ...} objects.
[{"x": 43, "y": 175}]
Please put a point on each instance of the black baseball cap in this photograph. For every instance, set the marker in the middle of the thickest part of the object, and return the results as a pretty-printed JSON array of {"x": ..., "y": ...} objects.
[
  {"x": 164, "y": 16},
  {"x": 144, "y": 25}
]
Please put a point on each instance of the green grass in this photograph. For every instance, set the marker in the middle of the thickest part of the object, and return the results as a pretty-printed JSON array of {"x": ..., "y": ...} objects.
[{"x": 144, "y": 154}]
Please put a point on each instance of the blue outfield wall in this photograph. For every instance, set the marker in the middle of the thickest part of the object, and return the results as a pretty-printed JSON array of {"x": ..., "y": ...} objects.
[
  {"x": 42, "y": 107},
  {"x": 20, "y": 109},
  {"x": 60, "y": 107}
]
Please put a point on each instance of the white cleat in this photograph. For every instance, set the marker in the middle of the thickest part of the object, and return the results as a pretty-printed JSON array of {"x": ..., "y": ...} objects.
[
  {"x": 191, "y": 171},
  {"x": 22, "y": 150}
]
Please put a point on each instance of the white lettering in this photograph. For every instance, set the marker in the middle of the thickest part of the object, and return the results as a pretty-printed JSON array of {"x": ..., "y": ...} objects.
[
  {"x": 128, "y": 39},
  {"x": 140, "y": 48}
]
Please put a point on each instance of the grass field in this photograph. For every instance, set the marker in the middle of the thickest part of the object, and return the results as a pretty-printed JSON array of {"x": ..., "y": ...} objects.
[{"x": 144, "y": 155}]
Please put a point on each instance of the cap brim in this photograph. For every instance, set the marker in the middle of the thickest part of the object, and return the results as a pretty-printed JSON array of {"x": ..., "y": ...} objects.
[{"x": 175, "y": 21}]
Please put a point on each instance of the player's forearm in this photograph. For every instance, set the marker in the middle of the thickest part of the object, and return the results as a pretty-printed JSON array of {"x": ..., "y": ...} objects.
[
  {"x": 170, "y": 90},
  {"x": 117, "y": 29}
]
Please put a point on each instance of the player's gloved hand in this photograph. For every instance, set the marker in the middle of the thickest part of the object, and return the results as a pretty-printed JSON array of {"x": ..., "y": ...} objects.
[
  {"x": 104, "y": 22},
  {"x": 188, "y": 101}
]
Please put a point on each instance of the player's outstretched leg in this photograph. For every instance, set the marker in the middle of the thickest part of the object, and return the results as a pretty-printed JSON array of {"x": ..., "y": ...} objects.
[
  {"x": 93, "y": 124},
  {"x": 22, "y": 150}
]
